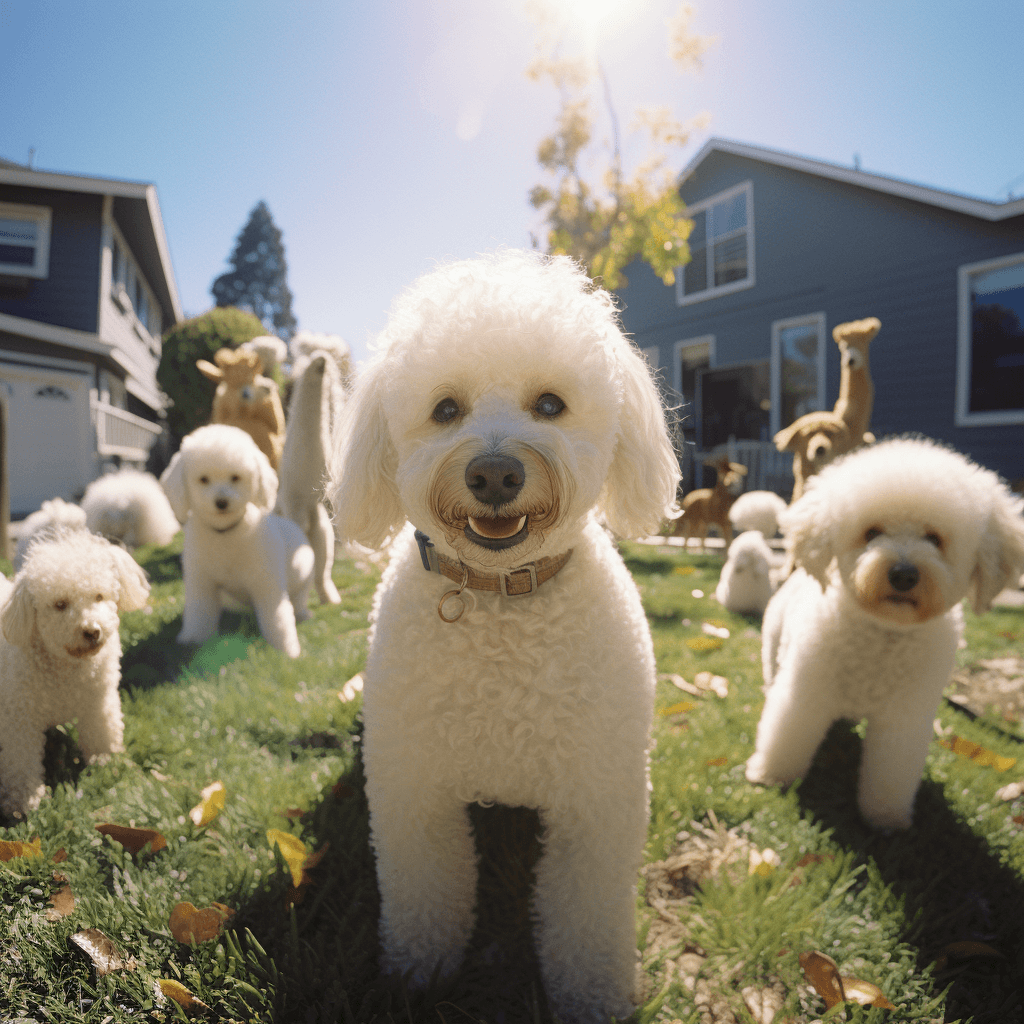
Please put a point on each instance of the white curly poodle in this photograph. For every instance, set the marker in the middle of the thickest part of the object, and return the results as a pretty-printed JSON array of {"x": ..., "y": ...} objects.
[
  {"x": 53, "y": 517},
  {"x": 60, "y": 656},
  {"x": 222, "y": 487},
  {"x": 757, "y": 510},
  {"x": 510, "y": 657},
  {"x": 886, "y": 541},
  {"x": 130, "y": 506},
  {"x": 748, "y": 577}
]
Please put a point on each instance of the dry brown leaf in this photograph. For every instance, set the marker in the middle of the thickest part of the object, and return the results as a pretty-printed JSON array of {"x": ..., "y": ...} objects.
[
  {"x": 103, "y": 953},
  {"x": 717, "y": 762},
  {"x": 181, "y": 995},
  {"x": 63, "y": 903},
  {"x": 10, "y": 849},
  {"x": 60, "y": 856},
  {"x": 190, "y": 925},
  {"x": 822, "y": 972},
  {"x": 133, "y": 840},
  {"x": 964, "y": 950},
  {"x": 865, "y": 993}
]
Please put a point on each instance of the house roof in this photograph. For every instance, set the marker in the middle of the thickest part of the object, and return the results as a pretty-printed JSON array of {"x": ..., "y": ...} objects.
[
  {"x": 136, "y": 210},
  {"x": 954, "y": 201}
]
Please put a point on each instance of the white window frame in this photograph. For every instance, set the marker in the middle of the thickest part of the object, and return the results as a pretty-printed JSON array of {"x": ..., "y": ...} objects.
[
  {"x": 963, "y": 417},
  {"x": 677, "y": 358},
  {"x": 122, "y": 291},
  {"x": 778, "y": 326},
  {"x": 713, "y": 291},
  {"x": 41, "y": 216}
]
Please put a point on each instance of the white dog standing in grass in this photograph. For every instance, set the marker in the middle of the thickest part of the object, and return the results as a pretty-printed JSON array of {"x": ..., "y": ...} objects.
[
  {"x": 886, "y": 541},
  {"x": 129, "y": 506},
  {"x": 510, "y": 657},
  {"x": 222, "y": 487},
  {"x": 747, "y": 581},
  {"x": 60, "y": 656}
]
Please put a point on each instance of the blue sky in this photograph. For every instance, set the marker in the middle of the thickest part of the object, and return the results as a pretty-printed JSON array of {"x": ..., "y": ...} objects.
[{"x": 386, "y": 135}]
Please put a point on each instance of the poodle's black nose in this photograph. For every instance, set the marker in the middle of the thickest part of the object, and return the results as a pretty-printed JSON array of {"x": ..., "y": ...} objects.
[
  {"x": 495, "y": 479},
  {"x": 221, "y": 503},
  {"x": 903, "y": 576},
  {"x": 91, "y": 636}
]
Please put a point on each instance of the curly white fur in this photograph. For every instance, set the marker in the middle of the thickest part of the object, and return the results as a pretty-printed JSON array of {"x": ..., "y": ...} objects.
[
  {"x": 54, "y": 517},
  {"x": 886, "y": 541},
  {"x": 60, "y": 656},
  {"x": 748, "y": 576},
  {"x": 222, "y": 487},
  {"x": 271, "y": 350},
  {"x": 305, "y": 344},
  {"x": 313, "y": 411},
  {"x": 757, "y": 510},
  {"x": 543, "y": 700},
  {"x": 130, "y": 506}
]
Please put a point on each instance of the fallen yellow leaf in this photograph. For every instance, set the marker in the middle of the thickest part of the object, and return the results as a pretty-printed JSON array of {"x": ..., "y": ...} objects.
[
  {"x": 677, "y": 709},
  {"x": 133, "y": 839},
  {"x": 702, "y": 644},
  {"x": 181, "y": 995},
  {"x": 210, "y": 804},
  {"x": 293, "y": 850},
  {"x": 12, "y": 848},
  {"x": 865, "y": 993},
  {"x": 978, "y": 754},
  {"x": 684, "y": 570},
  {"x": 190, "y": 925}
]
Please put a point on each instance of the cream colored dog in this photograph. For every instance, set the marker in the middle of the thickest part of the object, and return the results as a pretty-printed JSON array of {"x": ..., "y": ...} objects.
[
  {"x": 886, "y": 541},
  {"x": 60, "y": 657},
  {"x": 510, "y": 657},
  {"x": 222, "y": 488}
]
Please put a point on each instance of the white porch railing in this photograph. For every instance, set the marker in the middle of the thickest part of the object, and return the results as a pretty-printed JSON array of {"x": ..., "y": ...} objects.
[
  {"x": 121, "y": 433},
  {"x": 768, "y": 468}
]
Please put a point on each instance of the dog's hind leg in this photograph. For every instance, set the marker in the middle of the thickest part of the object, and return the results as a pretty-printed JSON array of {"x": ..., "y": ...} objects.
[
  {"x": 277, "y": 624},
  {"x": 427, "y": 875},
  {"x": 321, "y": 539},
  {"x": 21, "y": 770},
  {"x": 892, "y": 760}
]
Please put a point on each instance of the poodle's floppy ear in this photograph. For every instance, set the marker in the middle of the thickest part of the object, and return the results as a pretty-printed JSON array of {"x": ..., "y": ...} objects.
[
  {"x": 1001, "y": 552},
  {"x": 172, "y": 480},
  {"x": 807, "y": 527},
  {"x": 362, "y": 491},
  {"x": 640, "y": 489},
  {"x": 209, "y": 370},
  {"x": 18, "y": 614},
  {"x": 133, "y": 582},
  {"x": 264, "y": 480}
]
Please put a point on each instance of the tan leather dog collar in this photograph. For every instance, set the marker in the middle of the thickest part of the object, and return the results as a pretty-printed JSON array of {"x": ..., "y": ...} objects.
[{"x": 517, "y": 582}]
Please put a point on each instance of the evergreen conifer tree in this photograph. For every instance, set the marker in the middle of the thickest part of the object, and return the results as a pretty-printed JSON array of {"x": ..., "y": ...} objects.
[{"x": 258, "y": 280}]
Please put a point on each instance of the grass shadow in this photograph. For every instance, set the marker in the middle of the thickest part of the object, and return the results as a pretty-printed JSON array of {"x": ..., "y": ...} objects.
[{"x": 954, "y": 887}]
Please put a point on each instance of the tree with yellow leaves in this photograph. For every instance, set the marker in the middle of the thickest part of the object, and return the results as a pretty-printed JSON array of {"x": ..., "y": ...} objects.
[{"x": 607, "y": 226}]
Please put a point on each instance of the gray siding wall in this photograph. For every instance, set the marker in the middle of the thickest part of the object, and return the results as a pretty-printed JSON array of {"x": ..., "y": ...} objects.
[
  {"x": 69, "y": 295},
  {"x": 850, "y": 252}
]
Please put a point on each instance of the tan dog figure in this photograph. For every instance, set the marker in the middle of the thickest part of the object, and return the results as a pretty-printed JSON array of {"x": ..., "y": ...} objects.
[
  {"x": 246, "y": 399},
  {"x": 710, "y": 505},
  {"x": 817, "y": 438}
]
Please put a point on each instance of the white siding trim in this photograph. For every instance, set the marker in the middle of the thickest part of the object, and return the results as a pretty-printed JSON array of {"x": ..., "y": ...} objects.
[
  {"x": 963, "y": 417},
  {"x": 778, "y": 326}
]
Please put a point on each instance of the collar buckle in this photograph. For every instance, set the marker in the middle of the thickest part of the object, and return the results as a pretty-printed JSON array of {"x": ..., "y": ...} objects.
[{"x": 504, "y": 578}]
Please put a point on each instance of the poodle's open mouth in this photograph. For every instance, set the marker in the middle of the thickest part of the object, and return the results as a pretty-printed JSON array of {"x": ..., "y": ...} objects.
[
  {"x": 85, "y": 651},
  {"x": 497, "y": 533},
  {"x": 901, "y": 599}
]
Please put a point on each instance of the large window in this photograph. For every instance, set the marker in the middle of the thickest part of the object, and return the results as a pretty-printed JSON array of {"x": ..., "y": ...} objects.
[
  {"x": 798, "y": 368},
  {"x": 721, "y": 246},
  {"x": 24, "y": 240},
  {"x": 734, "y": 402},
  {"x": 130, "y": 290},
  {"x": 990, "y": 371}
]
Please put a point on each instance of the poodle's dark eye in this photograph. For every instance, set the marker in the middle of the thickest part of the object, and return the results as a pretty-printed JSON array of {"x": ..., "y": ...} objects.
[
  {"x": 204, "y": 479},
  {"x": 99, "y": 597},
  {"x": 446, "y": 410},
  {"x": 934, "y": 538},
  {"x": 60, "y": 605},
  {"x": 235, "y": 478},
  {"x": 549, "y": 405},
  {"x": 871, "y": 533}
]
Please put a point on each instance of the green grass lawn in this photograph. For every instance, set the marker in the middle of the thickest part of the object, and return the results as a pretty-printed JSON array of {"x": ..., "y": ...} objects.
[{"x": 934, "y": 917}]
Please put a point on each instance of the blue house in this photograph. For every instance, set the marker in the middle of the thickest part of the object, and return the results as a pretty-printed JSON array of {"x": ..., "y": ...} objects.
[
  {"x": 86, "y": 290},
  {"x": 785, "y": 248}
]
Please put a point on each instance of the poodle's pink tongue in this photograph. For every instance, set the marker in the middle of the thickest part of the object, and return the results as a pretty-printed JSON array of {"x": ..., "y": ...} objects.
[{"x": 497, "y": 529}]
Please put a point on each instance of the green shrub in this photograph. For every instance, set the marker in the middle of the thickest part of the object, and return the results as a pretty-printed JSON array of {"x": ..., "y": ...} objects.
[{"x": 199, "y": 338}]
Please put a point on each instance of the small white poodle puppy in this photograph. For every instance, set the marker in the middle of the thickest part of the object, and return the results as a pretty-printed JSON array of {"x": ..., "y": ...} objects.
[
  {"x": 130, "y": 506},
  {"x": 510, "y": 657},
  {"x": 53, "y": 517},
  {"x": 236, "y": 550},
  {"x": 886, "y": 542},
  {"x": 757, "y": 510},
  {"x": 314, "y": 407},
  {"x": 60, "y": 656},
  {"x": 748, "y": 576}
]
